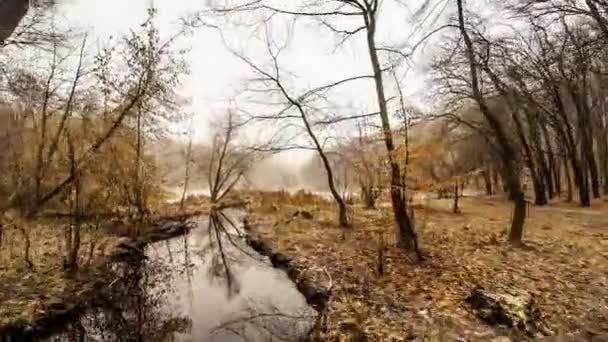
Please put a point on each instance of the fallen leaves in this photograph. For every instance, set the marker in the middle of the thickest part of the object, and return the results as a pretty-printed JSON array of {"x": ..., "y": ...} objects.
[
  {"x": 27, "y": 293},
  {"x": 564, "y": 267}
]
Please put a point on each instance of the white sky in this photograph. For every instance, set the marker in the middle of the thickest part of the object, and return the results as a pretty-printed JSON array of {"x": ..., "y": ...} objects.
[
  {"x": 215, "y": 72},
  {"x": 216, "y": 75}
]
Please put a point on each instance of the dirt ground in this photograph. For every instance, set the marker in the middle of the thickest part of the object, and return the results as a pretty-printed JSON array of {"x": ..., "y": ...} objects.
[{"x": 563, "y": 264}]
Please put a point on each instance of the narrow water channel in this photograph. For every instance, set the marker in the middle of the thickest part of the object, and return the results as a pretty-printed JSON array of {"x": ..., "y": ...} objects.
[{"x": 207, "y": 285}]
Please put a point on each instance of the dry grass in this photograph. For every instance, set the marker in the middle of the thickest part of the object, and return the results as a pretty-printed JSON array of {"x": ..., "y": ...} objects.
[{"x": 563, "y": 263}]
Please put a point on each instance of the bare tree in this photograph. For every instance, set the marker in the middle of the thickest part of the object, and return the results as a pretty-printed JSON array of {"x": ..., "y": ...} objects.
[
  {"x": 26, "y": 23},
  {"x": 507, "y": 150},
  {"x": 228, "y": 161},
  {"x": 153, "y": 68},
  {"x": 188, "y": 162},
  {"x": 11, "y": 13},
  {"x": 365, "y": 13},
  {"x": 271, "y": 82}
]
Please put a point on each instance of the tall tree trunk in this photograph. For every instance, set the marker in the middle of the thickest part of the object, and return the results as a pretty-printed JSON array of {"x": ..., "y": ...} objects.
[
  {"x": 588, "y": 164},
  {"x": 604, "y": 161},
  {"x": 598, "y": 17},
  {"x": 508, "y": 154},
  {"x": 406, "y": 236},
  {"x": 455, "y": 208},
  {"x": 556, "y": 175},
  {"x": 602, "y": 143},
  {"x": 581, "y": 179},
  {"x": 593, "y": 171},
  {"x": 73, "y": 231},
  {"x": 342, "y": 214},
  {"x": 553, "y": 165},
  {"x": 187, "y": 171},
  {"x": 545, "y": 158},
  {"x": 367, "y": 193},
  {"x": 11, "y": 13},
  {"x": 495, "y": 178},
  {"x": 540, "y": 196},
  {"x": 487, "y": 179},
  {"x": 568, "y": 181}
]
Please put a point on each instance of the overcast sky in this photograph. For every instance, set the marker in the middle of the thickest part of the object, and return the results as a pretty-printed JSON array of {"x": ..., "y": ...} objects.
[{"x": 216, "y": 75}]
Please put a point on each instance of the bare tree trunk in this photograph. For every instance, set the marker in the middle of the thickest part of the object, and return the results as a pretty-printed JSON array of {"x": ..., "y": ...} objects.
[
  {"x": 581, "y": 176},
  {"x": 599, "y": 19},
  {"x": 455, "y": 208},
  {"x": 604, "y": 161},
  {"x": 73, "y": 229},
  {"x": 601, "y": 138},
  {"x": 11, "y": 13},
  {"x": 495, "y": 179},
  {"x": 369, "y": 200},
  {"x": 186, "y": 174},
  {"x": 342, "y": 214},
  {"x": 552, "y": 164},
  {"x": 593, "y": 171},
  {"x": 544, "y": 159},
  {"x": 540, "y": 196},
  {"x": 568, "y": 181},
  {"x": 406, "y": 236},
  {"x": 508, "y": 154},
  {"x": 487, "y": 180},
  {"x": 28, "y": 245},
  {"x": 556, "y": 175}
]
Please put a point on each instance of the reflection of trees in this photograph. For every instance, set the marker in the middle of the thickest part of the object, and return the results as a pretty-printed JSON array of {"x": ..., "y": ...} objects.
[
  {"x": 225, "y": 247},
  {"x": 270, "y": 325},
  {"x": 142, "y": 304},
  {"x": 132, "y": 308},
  {"x": 258, "y": 321}
]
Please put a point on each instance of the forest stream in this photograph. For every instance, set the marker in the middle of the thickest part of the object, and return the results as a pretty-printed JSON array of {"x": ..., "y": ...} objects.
[{"x": 207, "y": 285}]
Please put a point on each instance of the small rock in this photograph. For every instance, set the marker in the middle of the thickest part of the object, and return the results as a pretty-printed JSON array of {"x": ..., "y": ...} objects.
[
  {"x": 508, "y": 308},
  {"x": 303, "y": 214},
  {"x": 280, "y": 260}
]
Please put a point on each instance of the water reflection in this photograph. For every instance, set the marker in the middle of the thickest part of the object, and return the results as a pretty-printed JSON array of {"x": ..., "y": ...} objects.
[{"x": 204, "y": 286}]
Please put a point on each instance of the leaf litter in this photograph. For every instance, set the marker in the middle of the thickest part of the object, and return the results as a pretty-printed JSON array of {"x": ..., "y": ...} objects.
[{"x": 563, "y": 265}]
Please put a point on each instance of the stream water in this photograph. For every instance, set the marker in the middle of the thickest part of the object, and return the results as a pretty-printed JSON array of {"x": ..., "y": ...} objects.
[{"x": 207, "y": 285}]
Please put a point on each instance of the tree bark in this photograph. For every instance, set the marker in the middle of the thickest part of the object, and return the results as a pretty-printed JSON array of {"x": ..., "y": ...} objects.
[
  {"x": 369, "y": 200},
  {"x": 556, "y": 175},
  {"x": 604, "y": 161},
  {"x": 495, "y": 178},
  {"x": 597, "y": 16},
  {"x": 593, "y": 171},
  {"x": 455, "y": 208},
  {"x": 406, "y": 236},
  {"x": 552, "y": 165},
  {"x": 342, "y": 214},
  {"x": 187, "y": 171},
  {"x": 568, "y": 181},
  {"x": 11, "y": 13},
  {"x": 540, "y": 196},
  {"x": 487, "y": 179},
  {"x": 508, "y": 154}
]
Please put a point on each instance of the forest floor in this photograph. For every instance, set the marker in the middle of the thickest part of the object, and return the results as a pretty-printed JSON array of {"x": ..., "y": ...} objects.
[
  {"x": 563, "y": 264},
  {"x": 29, "y": 294}
]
